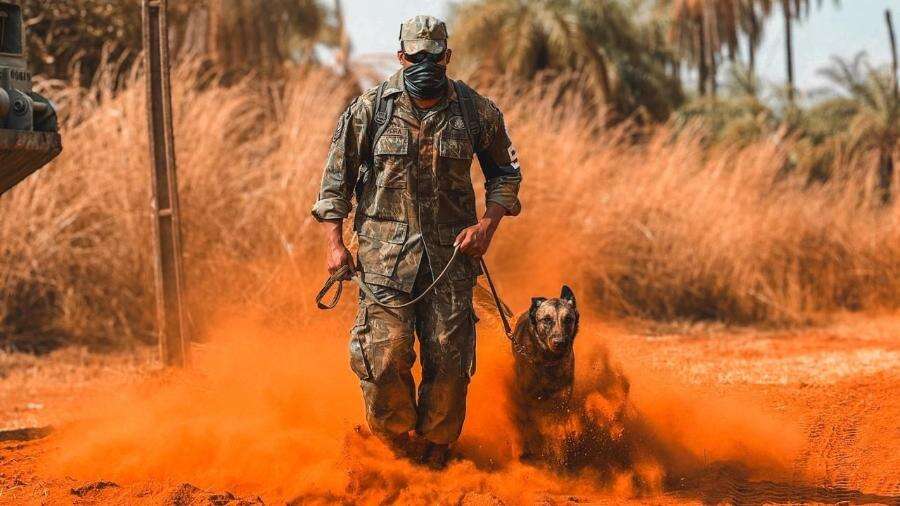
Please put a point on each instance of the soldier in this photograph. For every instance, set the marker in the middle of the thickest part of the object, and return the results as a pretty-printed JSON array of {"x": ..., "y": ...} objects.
[{"x": 404, "y": 149}]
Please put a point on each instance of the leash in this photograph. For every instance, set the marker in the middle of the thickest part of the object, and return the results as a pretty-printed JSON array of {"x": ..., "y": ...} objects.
[
  {"x": 497, "y": 301},
  {"x": 341, "y": 275}
]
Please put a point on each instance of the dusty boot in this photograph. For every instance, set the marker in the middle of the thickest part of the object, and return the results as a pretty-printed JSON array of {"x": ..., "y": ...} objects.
[
  {"x": 399, "y": 445},
  {"x": 435, "y": 456},
  {"x": 406, "y": 447},
  {"x": 416, "y": 448}
]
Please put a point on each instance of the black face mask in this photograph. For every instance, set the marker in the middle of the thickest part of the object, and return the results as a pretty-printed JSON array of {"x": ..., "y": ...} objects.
[{"x": 425, "y": 80}]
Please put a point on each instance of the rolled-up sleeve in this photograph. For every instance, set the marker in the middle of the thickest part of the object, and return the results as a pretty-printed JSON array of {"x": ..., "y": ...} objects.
[
  {"x": 348, "y": 150},
  {"x": 500, "y": 165}
]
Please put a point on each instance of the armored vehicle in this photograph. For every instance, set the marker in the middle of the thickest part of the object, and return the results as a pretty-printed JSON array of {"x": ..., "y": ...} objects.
[{"x": 29, "y": 137}]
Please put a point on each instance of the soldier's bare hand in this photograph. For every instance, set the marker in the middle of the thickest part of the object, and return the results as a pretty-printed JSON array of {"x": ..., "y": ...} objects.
[
  {"x": 337, "y": 257},
  {"x": 475, "y": 240},
  {"x": 336, "y": 254}
]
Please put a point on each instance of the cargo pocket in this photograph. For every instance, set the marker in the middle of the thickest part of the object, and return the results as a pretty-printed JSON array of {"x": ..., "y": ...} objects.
[
  {"x": 455, "y": 152},
  {"x": 359, "y": 362},
  {"x": 465, "y": 267},
  {"x": 390, "y": 153},
  {"x": 468, "y": 364},
  {"x": 380, "y": 244},
  {"x": 464, "y": 314}
]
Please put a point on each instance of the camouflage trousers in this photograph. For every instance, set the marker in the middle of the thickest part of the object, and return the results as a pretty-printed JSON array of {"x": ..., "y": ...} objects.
[{"x": 382, "y": 354}]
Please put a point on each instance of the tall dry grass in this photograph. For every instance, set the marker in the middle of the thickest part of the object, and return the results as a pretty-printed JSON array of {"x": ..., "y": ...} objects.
[{"x": 662, "y": 228}]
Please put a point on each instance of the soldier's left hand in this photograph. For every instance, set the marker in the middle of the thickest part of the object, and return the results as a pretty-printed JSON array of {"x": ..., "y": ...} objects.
[{"x": 475, "y": 240}]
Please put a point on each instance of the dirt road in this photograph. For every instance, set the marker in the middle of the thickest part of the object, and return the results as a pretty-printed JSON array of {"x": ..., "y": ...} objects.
[{"x": 723, "y": 393}]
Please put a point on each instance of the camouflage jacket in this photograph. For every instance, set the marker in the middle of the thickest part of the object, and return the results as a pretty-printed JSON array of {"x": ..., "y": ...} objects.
[{"x": 418, "y": 195}]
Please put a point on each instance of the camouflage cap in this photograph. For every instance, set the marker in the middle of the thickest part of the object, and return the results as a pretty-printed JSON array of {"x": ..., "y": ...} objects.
[{"x": 423, "y": 33}]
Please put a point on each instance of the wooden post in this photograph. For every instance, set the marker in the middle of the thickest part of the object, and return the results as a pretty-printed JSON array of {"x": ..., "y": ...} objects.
[{"x": 174, "y": 341}]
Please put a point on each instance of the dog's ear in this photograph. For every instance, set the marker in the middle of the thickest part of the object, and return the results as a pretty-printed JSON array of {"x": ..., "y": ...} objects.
[
  {"x": 567, "y": 294},
  {"x": 535, "y": 304}
]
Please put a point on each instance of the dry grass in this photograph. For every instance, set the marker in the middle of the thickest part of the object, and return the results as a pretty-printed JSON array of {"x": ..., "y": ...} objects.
[{"x": 662, "y": 229}]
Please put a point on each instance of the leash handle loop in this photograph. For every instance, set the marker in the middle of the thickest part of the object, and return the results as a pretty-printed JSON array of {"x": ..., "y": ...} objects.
[{"x": 338, "y": 277}]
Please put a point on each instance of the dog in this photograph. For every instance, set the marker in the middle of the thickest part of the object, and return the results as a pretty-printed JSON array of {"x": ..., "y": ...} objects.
[{"x": 544, "y": 377}]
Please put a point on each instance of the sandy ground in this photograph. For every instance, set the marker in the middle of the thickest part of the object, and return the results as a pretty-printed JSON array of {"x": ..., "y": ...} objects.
[{"x": 840, "y": 383}]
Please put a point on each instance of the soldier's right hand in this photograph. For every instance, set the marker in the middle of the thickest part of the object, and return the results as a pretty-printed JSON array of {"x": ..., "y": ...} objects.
[{"x": 337, "y": 257}]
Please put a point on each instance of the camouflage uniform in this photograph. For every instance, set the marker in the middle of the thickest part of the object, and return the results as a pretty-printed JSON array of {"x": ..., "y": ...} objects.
[{"x": 410, "y": 208}]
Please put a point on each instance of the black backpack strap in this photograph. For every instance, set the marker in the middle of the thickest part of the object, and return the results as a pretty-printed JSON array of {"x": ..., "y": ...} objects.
[
  {"x": 469, "y": 114},
  {"x": 384, "y": 110}
]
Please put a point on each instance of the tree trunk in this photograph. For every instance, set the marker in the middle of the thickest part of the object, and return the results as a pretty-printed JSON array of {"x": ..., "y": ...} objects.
[
  {"x": 344, "y": 52},
  {"x": 886, "y": 174},
  {"x": 886, "y": 162},
  {"x": 702, "y": 69},
  {"x": 751, "y": 65},
  {"x": 789, "y": 47},
  {"x": 894, "y": 64},
  {"x": 711, "y": 47},
  {"x": 751, "y": 47}
]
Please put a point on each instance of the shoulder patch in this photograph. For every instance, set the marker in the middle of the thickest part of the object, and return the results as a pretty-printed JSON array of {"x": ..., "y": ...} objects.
[
  {"x": 339, "y": 129},
  {"x": 345, "y": 118}
]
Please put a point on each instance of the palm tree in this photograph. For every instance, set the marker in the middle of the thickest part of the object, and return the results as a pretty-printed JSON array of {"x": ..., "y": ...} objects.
[
  {"x": 791, "y": 10},
  {"x": 864, "y": 113},
  {"x": 702, "y": 29},
  {"x": 522, "y": 38},
  {"x": 596, "y": 39},
  {"x": 235, "y": 34},
  {"x": 263, "y": 34},
  {"x": 67, "y": 35},
  {"x": 639, "y": 56},
  {"x": 753, "y": 15},
  {"x": 343, "y": 40}
]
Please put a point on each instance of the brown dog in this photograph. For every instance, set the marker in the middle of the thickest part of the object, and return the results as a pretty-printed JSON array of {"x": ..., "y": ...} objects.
[{"x": 542, "y": 387}]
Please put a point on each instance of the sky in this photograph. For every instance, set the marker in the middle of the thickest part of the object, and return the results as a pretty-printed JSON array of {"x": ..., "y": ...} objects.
[{"x": 857, "y": 25}]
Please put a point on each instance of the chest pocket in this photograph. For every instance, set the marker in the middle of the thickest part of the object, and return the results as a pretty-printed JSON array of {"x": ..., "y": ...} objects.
[
  {"x": 455, "y": 153},
  {"x": 391, "y": 152}
]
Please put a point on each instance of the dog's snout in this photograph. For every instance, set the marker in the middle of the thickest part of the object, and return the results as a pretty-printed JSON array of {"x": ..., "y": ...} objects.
[{"x": 558, "y": 341}]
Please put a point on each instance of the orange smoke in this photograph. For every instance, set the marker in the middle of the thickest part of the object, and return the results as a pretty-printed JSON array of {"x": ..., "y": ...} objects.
[{"x": 274, "y": 411}]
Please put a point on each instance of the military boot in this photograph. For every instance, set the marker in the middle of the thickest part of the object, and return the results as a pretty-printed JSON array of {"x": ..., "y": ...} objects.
[
  {"x": 407, "y": 447},
  {"x": 435, "y": 456},
  {"x": 399, "y": 445}
]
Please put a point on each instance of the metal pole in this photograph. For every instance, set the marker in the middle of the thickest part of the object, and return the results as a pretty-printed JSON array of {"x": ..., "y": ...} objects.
[{"x": 174, "y": 341}]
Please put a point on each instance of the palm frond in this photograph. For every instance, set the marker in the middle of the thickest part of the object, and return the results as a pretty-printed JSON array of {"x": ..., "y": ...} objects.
[{"x": 625, "y": 64}]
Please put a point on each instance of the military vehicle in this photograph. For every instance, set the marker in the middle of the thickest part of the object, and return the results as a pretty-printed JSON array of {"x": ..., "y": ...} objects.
[{"x": 29, "y": 137}]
